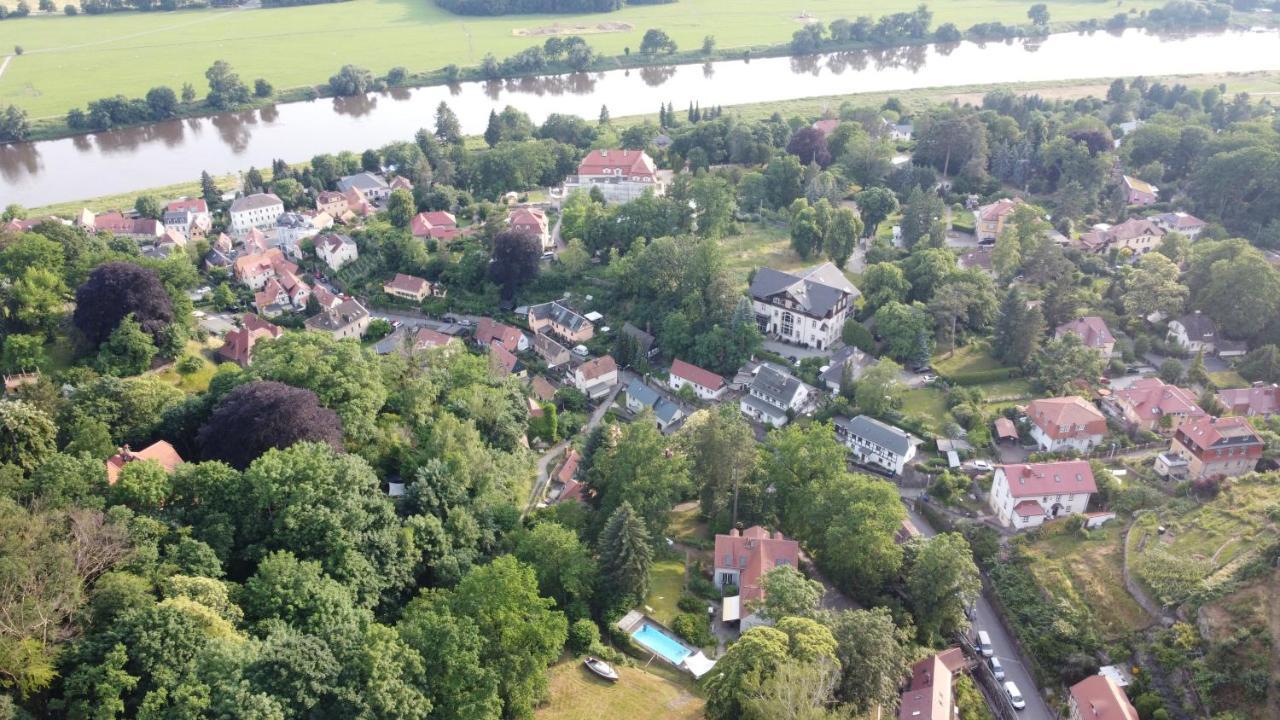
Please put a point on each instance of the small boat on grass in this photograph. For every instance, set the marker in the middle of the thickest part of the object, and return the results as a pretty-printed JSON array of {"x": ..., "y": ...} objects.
[{"x": 601, "y": 668}]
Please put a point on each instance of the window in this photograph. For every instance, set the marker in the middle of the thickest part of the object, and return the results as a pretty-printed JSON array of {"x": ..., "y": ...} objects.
[{"x": 788, "y": 323}]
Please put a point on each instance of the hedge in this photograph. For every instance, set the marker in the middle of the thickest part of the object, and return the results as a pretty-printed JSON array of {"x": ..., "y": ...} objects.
[{"x": 979, "y": 377}]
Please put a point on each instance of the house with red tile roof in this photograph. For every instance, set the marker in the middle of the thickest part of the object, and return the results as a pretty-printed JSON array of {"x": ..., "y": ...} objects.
[
  {"x": 1097, "y": 697},
  {"x": 332, "y": 202},
  {"x": 742, "y": 559},
  {"x": 160, "y": 452},
  {"x": 542, "y": 388},
  {"x": 929, "y": 694},
  {"x": 489, "y": 331},
  {"x": 1152, "y": 405},
  {"x": 437, "y": 224},
  {"x": 1258, "y": 400},
  {"x": 238, "y": 344},
  {"x": 503, "y": 362},
  {"x": 1135, "y": 235},
  {"x": 138, "y": 228},
  {"x": 565, "y": 486},
  {"x": 1217, "y": 447},
  {"x": 988, "y": 220},
  {"x": 1025, "y": 496},
  {"x": 1066, "y": 423},
  {"x": 425, "y": 338},
  {"x": 1093, "y": 332},
  {"x": 532, "y": 221},
  {"x": 706, "y": 384},
  {"x": 407, "y": 287},
  {"x": 596, "y": 377},
  {"x": 620, "y": 175}
]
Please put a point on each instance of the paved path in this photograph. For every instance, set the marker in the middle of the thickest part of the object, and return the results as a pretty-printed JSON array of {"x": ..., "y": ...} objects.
[
  {"x": 5, "y": 65},
  {"x": 1015, "y": 666}
]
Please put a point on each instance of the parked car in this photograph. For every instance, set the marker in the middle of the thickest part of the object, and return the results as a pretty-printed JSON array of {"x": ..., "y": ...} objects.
[
  {"x": 1015, "y": 696},
  {"x": 982, "y": 465},
  {"x": 984, "y": 644},
  {"x": 996, "y": 668},
  {"x": 548, "y": 256},
  {"x": 929, "y": 379}
]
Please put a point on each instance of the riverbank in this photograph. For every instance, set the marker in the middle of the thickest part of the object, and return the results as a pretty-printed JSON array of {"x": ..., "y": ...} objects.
[
  {"x": 1261, "y": 83},
  {"x": 69, "y": 61}
]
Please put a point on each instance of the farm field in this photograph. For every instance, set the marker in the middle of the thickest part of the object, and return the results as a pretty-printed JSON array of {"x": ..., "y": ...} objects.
[
  {"x": 68, "y": 61},
  {"x": 576, "y": 694}
]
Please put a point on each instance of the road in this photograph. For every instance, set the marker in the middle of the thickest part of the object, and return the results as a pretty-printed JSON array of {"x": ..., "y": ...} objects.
[
  {"x": 544, "y": 462},
  {"x": 1015, "y": 666}
]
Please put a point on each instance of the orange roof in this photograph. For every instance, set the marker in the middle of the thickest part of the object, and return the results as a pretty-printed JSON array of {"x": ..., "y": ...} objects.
[
  {"x": 928, "y": 697},
  {"x": 1091, "y": 329},
  {"x": 696, "y": 375},
  {"x": 1152, "y": 398},
  {"x": 160, "y": 451},
  {"x": 998, "y": 209},
  {"x": 489, "y": 331},
  {"x": 1205, "y": 432},
  {"x": 754, "y": 552},
  {"x": 1066, "y": 417},
  {"x": 1006, "y": 429},
  {"x": 1097, "y": 697},
  {"x": 428, "y": 338},
  {"x": 407, "y": 283},
  {"x": 610, "y": 162},
  {"x": 599, "y": 367}
]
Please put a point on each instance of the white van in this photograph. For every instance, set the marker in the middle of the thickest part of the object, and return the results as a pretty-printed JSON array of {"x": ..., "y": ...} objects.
[
  {"x": 996, "y": 668},
  {"x": 1015, "y": 697},
  {"x": 984, "y": 644}
]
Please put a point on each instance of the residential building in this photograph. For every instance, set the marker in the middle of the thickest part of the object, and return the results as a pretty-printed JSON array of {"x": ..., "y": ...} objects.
[
  {"x": 980, "y": 259},
  {"x": 556, "y": 319},
  {"x": 552, "y": 352},
  {"x": 1217, "y": 447},
  {"x": 1024, "y": 496},
  {"x": 238, "y": 344},
  {"x": 826, "y": 126},
  {"x": 988, "y": 220},
  {"x": 847, "y": 363},
  {"x": 1259, "y": 400},
  {"x": 1171, "y": 466},
  {"x": 1066, "y": 423},
  {"x": 424, "y": 338},
  {"x": 489, "y": 331},
  {"x": 1136, "y": 236},
  {"x": 372, "y": 186},
  {"x": 1152, "y": 405},
  {"x": 1180, "y": 222},
  {"x": 1196, "y": 332},
  {"x": 929, "y": 694},
  {"x": 160, "y": 452},
  {"x": 332, "y": 202},
  {"x": 503, "y": 362},
  {"x": 347, "y": 321},
  {"x": 774, "y": 396},
  {"x": 542, "y": 389},
  {"x": 805, "y": 308},
  {"x": 1097, "y": 697},
  {"x": 292, "y": 228},
  {"x": 641, "y": 397},
  {"x": 564, "y": 485},
  {"x": 336, "y": 250},
  {"x": 1139, "y": 192},
  {"x": 325, "y": 299},
  {"x": 274, "y": 279},
  {"x": 1093, "y": 332},
  {"x": 532, "y": 221},
  {"x": 437, "y": 225},
  {"x": 120, "y": 225},
  {"x": 407, "y": 287},
  {"x": 742, "y": 559},
  {"x": 260, "y": 211},
  {"x": 872, "y": 442},
  {"x": 706, "y": 384},
  {"x": 644, "y": 341},
  {"x": 620, "y": 175},
  {"x": 596, "y": 377},
  {"x": 189, "y": 216}
]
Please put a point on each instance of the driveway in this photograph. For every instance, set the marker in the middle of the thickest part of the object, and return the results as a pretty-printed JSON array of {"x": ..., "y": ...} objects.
[
  {"x": 1015, "y": 666},
  {"x": 788, "y": 350}
]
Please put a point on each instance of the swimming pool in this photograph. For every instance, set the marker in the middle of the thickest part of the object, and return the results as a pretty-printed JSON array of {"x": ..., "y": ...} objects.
[{"x": 667, "y": 647}]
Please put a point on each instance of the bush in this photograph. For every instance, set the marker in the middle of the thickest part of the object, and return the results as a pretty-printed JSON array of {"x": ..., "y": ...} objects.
[
  {"x": 583, "y": 635},
  {"x": 690, "y": 603},
  {"x": 694, "y": 628}
]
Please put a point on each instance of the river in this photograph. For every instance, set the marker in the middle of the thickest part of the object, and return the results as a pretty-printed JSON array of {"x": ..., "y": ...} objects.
[{"x": 39, "y": 173}]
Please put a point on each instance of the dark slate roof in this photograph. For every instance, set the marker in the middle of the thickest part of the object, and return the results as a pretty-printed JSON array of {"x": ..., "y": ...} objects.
[
  {"x": 817, "y": 289},
  {"x": 779, "y": 387},
  {"x": 363, "y": 181},
  {"x": 558, "y": 314},
  {"x": 643, "y": 339},
  {"x": 847, "y": 355},
  {"x": 872, "y": 430},
  {"x": 666, "y": 411},
  {"x": 1199, "y": 327},
  {"x": 641, "y": 393}
]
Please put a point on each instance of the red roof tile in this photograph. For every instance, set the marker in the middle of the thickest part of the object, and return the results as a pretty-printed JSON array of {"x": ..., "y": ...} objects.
[
  {"x": 160, "y": 452},
  {"x": 753, "y": 553},
  {"x": 696, "y": 375},
  {"x": 1056, "y": 478}
]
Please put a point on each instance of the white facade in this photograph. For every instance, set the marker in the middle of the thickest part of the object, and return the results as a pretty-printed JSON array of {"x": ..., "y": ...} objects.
[
  {"x": 1004, "y": 501},
  {"x": 1082, "y": 444},
  {"x": 675, "y": 382},
  {"x": 867, "y": 451},
  {"x": 255, "y": 211},
  {"x": 337, "y": 254},
  {"x": 793, "y": 326}
]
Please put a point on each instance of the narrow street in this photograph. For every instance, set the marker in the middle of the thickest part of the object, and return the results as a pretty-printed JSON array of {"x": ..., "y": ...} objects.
[{"x": 1015, "y": 665}]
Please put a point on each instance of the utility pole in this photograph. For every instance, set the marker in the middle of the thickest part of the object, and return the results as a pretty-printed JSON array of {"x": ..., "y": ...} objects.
[{"x": 734, "y": 524}]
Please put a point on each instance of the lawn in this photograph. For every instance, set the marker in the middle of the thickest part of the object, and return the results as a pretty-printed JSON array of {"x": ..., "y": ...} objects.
[
  {"x": 759, "y": 245},
  {"x": 68, "y": 61},
  {"x": 1228, "y": 379},
  {"x": 197, "y": 381},
  {"x": 687, "y": 525},
  {"x": 974, "y": 357},
  {"x": 576, "y": 694},
  {"x": 666, "y": 582},
  {"x": 1086, "y": 572},
  {"x": 1004, "y": 392},
  {"x": 926, "y": 402}
]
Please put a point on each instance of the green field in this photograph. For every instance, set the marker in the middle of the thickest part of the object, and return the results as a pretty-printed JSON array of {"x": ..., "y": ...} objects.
[
  {"x": 68, "y": 61},
  {"x": 654, "y": 693}
]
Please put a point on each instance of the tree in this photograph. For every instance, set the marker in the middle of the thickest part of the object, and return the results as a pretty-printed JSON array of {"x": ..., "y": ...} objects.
[
  {"x": 39, "y": 299},
  {"x": 722, "y": 456},
  {"x": 1062, "y": 361},
  {"x": 796, "y": 691},
  {"x": 142, "y": 485},
  {"x": 516, "y": 260},
  {"x": 448, "y": 128},
  {"x": 1019, "y": 329},
  {"x": 400, "y": 208},
  {"x": 450, "y": 644},
  {"x": 27, "y": 435},
  {"x": 806, "y": 233},
  {"x": 115, "y": 290},
  {"x": 14, "y": 124},
  {"x": 787, "y": 593},
  {"x": 743, "y": 671},
  {"x": 1153, "y": 287},
  {"x": 1171, "y": 371},
  {"x": 226, "y": 90},
  {"x": 873, "y": 657},
  {"x": 574, "y": 259},
  {"x": 351, "y": 80},
  {"x": 857, "y": 335},
  {"x": 23, "y": 353},
  {"x": 842, "y": 236},
  {"x": 626, "y": 554},
  {"x": 810, "y": 146},
  {"x": 163, "y": 102},
  {"x": 129, "y": 350},
  {"x": 941, "y": 584},
  {"x": 902, "y": 326},
  {"x": 520, "y": 633},
  {"x": 922, "y": 218},
  {"x": 655, "y": 41},
  {"x": 188, "y": 93},
  {"x": 565, "y": 569},
  {"x": 949, "y": 138},
  {"x": 879, "y": 389},
  {"x": 640, "y": 468},
  {"x": 783, "y": 180},
  {"x": 209, "y": 190},
  {"x": 148, "y": 206},
  {"x": 261, "y": 415},
  {"x": 883, "y": 283},
  {"x": 1039, "y": 14},
  {"x": 1242, "y": 293}
]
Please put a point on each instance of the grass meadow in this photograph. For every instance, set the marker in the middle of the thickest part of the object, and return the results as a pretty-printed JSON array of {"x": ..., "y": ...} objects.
[{"x": 68, "y": 61}]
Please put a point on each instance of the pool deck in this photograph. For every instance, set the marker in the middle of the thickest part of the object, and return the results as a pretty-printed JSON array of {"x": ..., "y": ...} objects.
[{"x": 695, "y": 663}]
